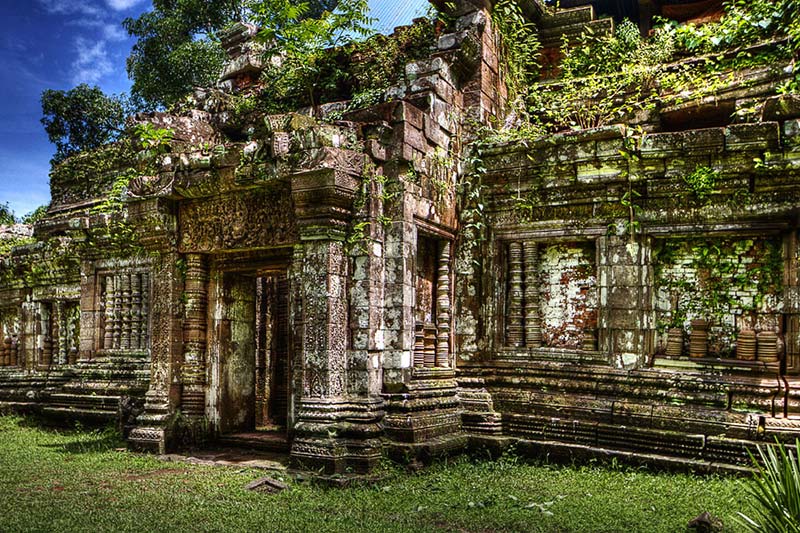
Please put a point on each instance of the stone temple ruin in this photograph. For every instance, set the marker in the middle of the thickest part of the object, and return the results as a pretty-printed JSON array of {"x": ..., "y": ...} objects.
[{"x": 364, "y": 284}]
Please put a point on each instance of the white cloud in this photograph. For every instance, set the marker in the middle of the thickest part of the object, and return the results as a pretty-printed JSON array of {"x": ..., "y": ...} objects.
[
  {"x": 114, "y": 32},
  {"x": 71, "y": 7},
  {"x": 92, "y": 62},
  {"x": 121, "y": 5}
]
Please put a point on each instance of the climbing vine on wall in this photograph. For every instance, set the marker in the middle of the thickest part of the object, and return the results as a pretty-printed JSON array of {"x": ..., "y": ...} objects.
[{"x": 728, "y": 281}]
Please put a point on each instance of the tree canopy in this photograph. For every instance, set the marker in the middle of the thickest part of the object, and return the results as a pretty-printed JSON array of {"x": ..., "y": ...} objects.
[
  {"x": 177, "y": 48},
  {"x": 82, "y": 118},
  {"x": 301, "y": 39},
  {"x": 6, "y": 215}
]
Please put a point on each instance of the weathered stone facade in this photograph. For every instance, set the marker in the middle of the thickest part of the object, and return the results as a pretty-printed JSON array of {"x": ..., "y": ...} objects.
[{"x": 321, "y": 277}]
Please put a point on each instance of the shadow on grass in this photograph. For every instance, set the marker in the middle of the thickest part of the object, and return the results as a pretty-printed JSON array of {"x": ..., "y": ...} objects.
[
  {"x": 76, "y": 437},
  {"x": 88, "y": 443}
]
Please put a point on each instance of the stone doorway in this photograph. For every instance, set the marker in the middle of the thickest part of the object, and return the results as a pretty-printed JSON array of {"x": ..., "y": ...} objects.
[{"x": 251, "y": 341}]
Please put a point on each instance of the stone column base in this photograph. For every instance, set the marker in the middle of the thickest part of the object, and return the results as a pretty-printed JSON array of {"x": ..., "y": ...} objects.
[
  {"x": 423, "y": 419},
  {"x": 479, "y": 416},
  {"x": 338, "y": 436},
  {"x": 153, "y": 428}
]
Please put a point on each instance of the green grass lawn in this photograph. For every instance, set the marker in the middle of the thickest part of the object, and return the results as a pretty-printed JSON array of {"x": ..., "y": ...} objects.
[{"x": 76, "y": 481}]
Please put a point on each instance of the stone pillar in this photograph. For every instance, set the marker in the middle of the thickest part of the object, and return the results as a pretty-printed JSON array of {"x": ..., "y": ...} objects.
[
  {"x": 626, "y": 323},
  {"x": 157, "y": 225},
  {"x": 193, "y": 373},
  {"x": 443, "y": 307},
  {"x": 422, "y": 409},
  {"x": 533, "y": 323},
  {"x": 791, "y": 300},
  {"x": 29, "y": 333},
  {"x": 335, "y": 430},
  {"x": 515, "y": 328}
]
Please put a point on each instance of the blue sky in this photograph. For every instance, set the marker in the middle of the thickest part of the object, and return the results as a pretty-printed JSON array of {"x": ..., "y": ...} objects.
[{"x": 57, "y": 44}]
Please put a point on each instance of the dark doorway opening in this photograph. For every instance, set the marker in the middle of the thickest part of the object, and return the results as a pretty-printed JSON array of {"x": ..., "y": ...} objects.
[{"x": 255, "y": 361}]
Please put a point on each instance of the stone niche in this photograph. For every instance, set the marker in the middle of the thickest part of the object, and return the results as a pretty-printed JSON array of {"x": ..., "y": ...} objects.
[
  {"x": 9, "y": 336},
  {"x": 59, "y": 332},
  {"x": 734, "y": 284},
  {"x": 550, "y": 295},
  {"x": 432, "y": 307},
  {"x": 121, "y": 312}
]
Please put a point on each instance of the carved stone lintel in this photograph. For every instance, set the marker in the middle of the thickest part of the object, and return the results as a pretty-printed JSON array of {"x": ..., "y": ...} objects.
[{"x": 323, "y": 202}]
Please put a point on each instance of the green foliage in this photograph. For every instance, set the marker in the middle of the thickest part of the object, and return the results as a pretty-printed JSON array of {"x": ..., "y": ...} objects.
[
  {"x": 6, "y": 214},
  {"x": 744, "y": 22},
  {"x": 8, "y": 244},
  {"x": 775, "y": 489},
  {"x": 82, "y": 118},
  {"x": 612, "y": 78},
  {"x": 36, "y": 215},
  {"x": 519, "y": 52},
  {"x": 300, "y": 44},
  {"x": 91, "y": 173},
  {"x": 728, "y": 277},
  {"x": 378, "y": 62},
  {"x": 177, "y": 48},
  {"x": 702, "y": 182},
  {"x": 619, "y": 51},
  {"x": 604, "y": 79},
  {"x": 154, "y": 141}
]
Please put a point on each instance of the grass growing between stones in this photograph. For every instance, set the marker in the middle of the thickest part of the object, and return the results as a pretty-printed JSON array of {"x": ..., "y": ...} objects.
[{"x": 76, "y": 481}]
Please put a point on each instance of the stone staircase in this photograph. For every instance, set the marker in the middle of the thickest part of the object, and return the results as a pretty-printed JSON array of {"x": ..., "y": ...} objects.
[{"x": 92, "y": 391}]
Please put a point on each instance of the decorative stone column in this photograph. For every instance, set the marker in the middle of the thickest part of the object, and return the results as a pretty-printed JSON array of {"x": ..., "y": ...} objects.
[
  {"x": 443, "y": 307},
  {"x": 157, "y": 224},
  {"x": 533, "y": 323},
  {"x": 515, "y": 328},
  {"x": 194, "y": 336},
  {"x": 335, "y": 432}
]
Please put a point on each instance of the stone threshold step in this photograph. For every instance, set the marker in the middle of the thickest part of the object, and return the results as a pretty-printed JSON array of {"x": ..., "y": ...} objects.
[{"x": 263, "y": 441}]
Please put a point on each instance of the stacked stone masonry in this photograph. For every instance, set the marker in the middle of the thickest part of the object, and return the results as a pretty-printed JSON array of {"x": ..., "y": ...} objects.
[{"x": 322, "y": 279}]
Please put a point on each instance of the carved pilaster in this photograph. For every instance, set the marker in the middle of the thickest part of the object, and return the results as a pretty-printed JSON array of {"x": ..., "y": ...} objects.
[
  {"x": 116, "y": 311},
  {"x": 125, "y": 311},
  {"x": 335, "y": 431},
  {"x": 194, "y": 336},
  {"x": 443, "y": 307},
  {"x": 143, "y": 323},
  {"x": 514, "y": 326},
  {"x": 108, "y": 312},
  {"x": 136, "y": 311},
  {"x": 533, "y": 323},
  {"x": 154, "y": 428},
  {"x": 419, "y": 344}
]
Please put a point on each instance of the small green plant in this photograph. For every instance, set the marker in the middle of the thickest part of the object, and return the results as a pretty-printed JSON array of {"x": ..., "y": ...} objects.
[
  {"x": 776, "y": 490},
  {"x": 702, "y": 182},
  {"x": 520, "y": 46},
  {"x": 155, "y": 141}
]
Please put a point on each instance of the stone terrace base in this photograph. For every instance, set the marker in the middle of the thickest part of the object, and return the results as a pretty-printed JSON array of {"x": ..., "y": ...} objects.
[{"x": 696, "y": 420}]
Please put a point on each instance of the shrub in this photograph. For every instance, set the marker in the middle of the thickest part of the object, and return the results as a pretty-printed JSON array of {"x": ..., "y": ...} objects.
[{"x": 776, "y": 491}]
